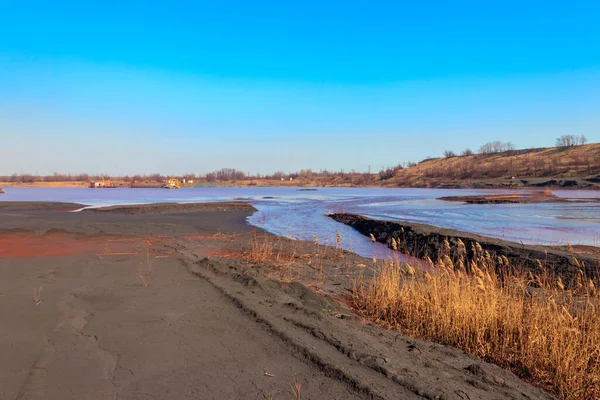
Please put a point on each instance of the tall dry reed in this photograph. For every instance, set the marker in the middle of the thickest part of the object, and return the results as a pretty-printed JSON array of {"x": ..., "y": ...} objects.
[{"x": 545, "y": 332}]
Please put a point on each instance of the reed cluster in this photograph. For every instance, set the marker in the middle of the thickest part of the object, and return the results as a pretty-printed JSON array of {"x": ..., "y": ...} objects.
[{"x": 535, "y": 325}]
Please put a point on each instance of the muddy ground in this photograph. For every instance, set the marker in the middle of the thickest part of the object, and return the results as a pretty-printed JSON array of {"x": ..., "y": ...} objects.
[
  {"x": 195, "y": 304},
  {"x": 530, "y": 198}
]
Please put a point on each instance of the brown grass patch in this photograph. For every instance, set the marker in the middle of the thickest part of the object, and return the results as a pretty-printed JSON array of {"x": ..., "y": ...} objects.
[
  {"x": 291, "y": 260},
  {"x": 533, "y": 325},
  {"x": 579, "y": 161}
]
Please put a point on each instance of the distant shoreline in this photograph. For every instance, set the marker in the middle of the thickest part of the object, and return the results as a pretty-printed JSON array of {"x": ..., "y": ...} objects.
[{"x": 554, "y": 184}]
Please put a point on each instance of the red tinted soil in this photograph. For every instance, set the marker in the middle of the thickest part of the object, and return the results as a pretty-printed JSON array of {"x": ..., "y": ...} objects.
[{"x": 51, "y": 245}]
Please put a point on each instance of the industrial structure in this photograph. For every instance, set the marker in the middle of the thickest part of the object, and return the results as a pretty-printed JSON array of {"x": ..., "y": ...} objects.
[{"x": 101, "y": 184}]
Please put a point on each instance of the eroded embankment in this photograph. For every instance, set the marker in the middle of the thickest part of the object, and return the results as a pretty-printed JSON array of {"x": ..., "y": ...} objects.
[{"x": 424, "y": 241}]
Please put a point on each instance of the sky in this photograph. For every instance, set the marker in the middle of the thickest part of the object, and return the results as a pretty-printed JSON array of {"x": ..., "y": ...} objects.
[{"x": 263, "y": 86}]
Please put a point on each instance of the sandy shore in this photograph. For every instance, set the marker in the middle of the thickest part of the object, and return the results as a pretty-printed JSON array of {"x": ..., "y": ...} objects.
[{"x": 167, "y": 301}]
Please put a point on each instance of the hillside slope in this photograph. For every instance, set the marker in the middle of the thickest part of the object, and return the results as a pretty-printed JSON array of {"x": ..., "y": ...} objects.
[{"x": 575, "y": 167}]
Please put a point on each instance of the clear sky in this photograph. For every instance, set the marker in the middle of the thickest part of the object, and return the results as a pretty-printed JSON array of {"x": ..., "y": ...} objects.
[{"x": 172, "y": 87}]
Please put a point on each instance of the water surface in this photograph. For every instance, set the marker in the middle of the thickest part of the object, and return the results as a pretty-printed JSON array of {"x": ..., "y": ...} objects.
[{"x": 300, "y": 214}]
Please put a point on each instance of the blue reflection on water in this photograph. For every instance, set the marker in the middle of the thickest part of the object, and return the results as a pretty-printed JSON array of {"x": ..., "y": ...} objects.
[{"x": 300, "y": 214}]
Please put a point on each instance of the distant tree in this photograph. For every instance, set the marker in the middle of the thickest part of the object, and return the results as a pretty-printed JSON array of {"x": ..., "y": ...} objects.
[
  {"x": 486, "y": 148},
  {"x": 156, "y": 178},
  {"x": 449, "y": 154},
  {"x": 388, "y": 173},
  {"x": 496, "y": 147},
  {"x": 411, "y": 164},
  {"x": 582, "y": 140},
  {"x": 467, "y": 152},
  {"x": 279, "y": 175},
  {"x": 189, "y": 176},
  {"x": 229, "y": 174},
  {"x": 567, "y": 141},
  {"x": 491, "y": 147},
  {"x": 28, "y": 178}
]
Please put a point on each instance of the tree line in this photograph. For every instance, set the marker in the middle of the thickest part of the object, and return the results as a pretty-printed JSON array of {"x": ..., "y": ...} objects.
[
  {"x": 497, "y": 147},
  {"x": 571, "y": 141},
  {"x": 321, "y": 177}
]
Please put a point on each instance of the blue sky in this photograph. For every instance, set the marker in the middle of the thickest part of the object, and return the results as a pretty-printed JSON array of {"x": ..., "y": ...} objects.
[{"x": 265, "y": 86}]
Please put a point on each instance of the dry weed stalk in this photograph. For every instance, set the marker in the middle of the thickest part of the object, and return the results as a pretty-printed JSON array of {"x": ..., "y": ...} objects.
[
  {"x": 296, "y": 388},
  {"x": 291, "y": 260},
  {"x": 145, "y": 274},
  {"x": 37, "y": 296},
  {"x": 280, "y": 254},
  {"x": 532, "y": 324}
]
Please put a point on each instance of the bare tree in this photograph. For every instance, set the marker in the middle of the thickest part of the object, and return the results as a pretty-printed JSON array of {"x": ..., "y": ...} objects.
[
  {"x": 389, "y": 172},
  {"x": 449, "y": 154},
  {"x": 496, "y": 147},
  {"x": 487, "y": 148},
  {"x": 467, "y": 152},
  {"x": 582, "y": 140},
  {"x": 229, "y": 174},
  {"x": 567, "y": 141}
]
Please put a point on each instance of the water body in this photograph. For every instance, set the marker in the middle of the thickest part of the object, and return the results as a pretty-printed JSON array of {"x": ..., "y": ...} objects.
[{"x": 301, "y": 214}]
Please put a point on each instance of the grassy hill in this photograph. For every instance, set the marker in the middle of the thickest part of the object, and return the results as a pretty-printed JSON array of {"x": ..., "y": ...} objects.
[{"x": 576, "y": 167}]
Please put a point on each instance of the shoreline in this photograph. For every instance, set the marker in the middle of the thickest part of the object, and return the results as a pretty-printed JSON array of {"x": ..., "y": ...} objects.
[
  {"x": 552, "y": 183},
  {"x": 174, "y": 282}
]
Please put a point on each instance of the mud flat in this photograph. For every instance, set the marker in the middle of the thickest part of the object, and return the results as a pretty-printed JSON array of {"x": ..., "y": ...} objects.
[
  {"x": 538, "y": 197},
  {"x": 423, "y": 241},
  {"x": 38, "y": 205},
  {"x": 173, "y": 208},
  {"x": 173, "y": 302}
]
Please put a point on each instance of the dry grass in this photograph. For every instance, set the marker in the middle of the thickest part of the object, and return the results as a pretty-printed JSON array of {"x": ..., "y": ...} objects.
[
  {"x": 296, "y": 389},
  {"x": 295, "y": 392},
  {"x": 144, "y": 271},
  {"x": 37, "y": 296},
  {"x": 577, "y": 161},
  {"x": 545, "y": 332},
  {"x": 537, "y": 326},
  {"x": 278, "y": 253},
  {"x": 290, "y": 260}
]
